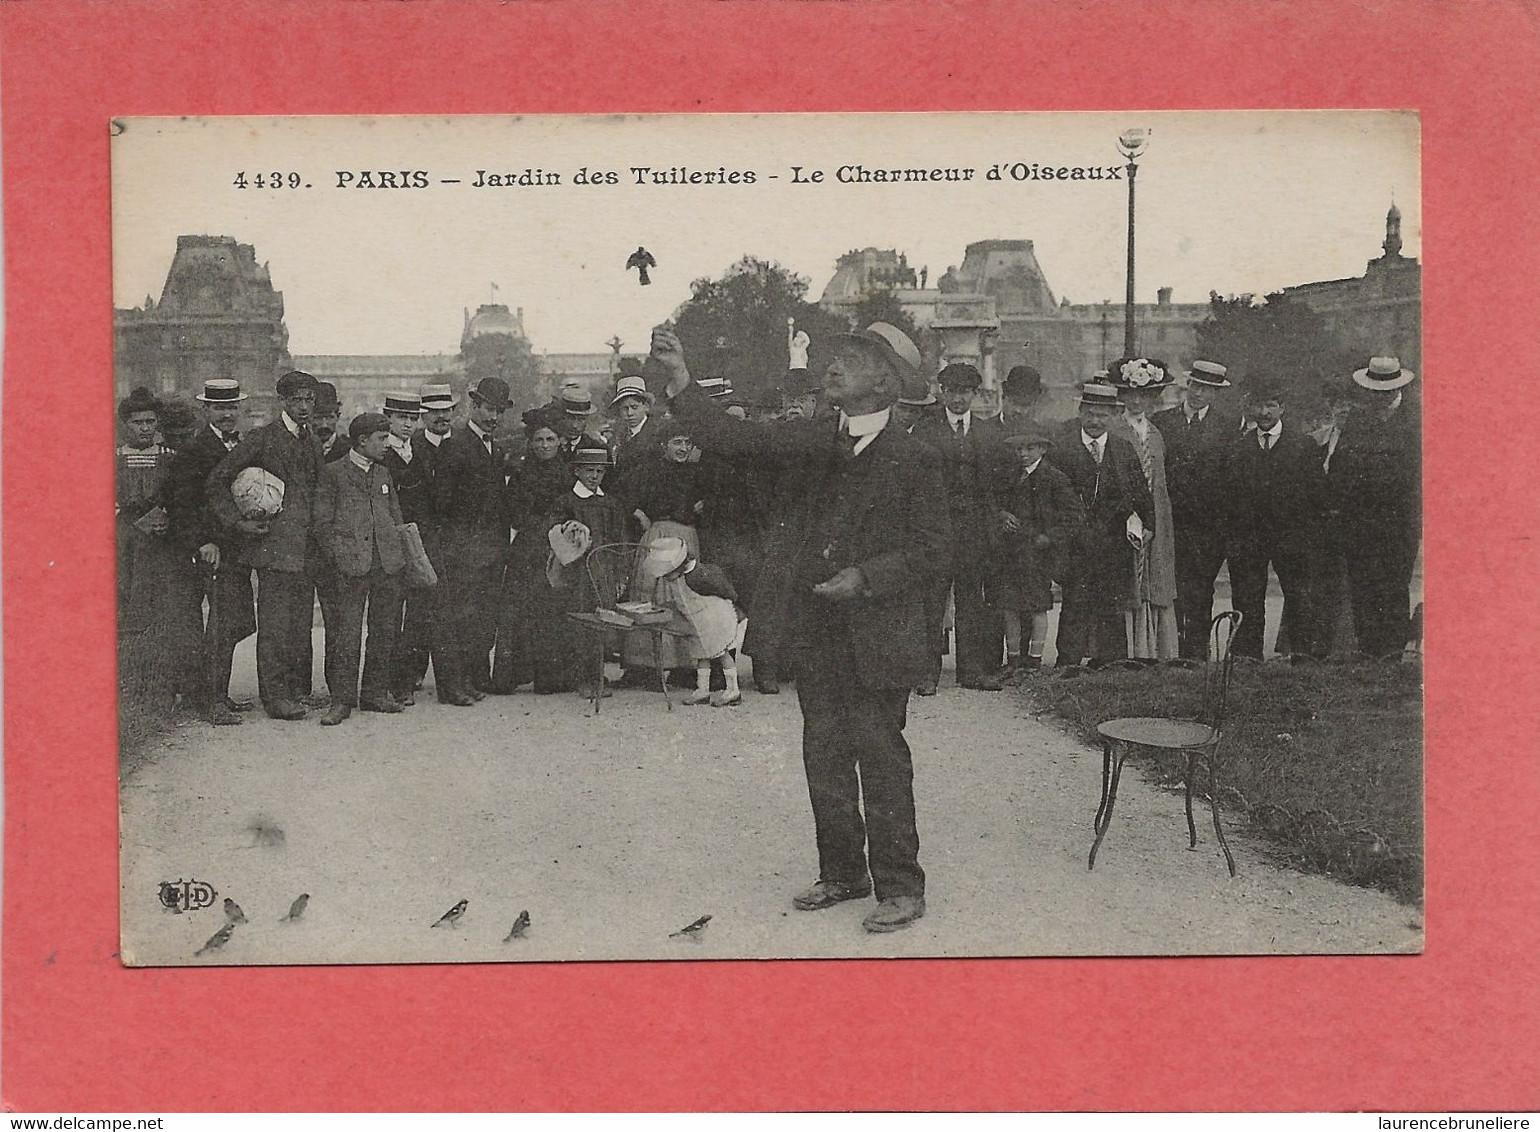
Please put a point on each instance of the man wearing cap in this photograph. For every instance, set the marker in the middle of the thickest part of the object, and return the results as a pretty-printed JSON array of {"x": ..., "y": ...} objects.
[
  {"x": 973, "y": 456},
  {"x": 1374, "y": 489},
  {"x": 1098, "y": 569},
  {"x": 1274, "y": 501},
  {"x": 470, "y": 509},
  {"x": 573, "y": 408},
  {"x": 279, "y": 547},
  {"x": 1197, "y": 436},
  {"x": 323, "y": 422},
  {"x": 871, "y": 533},
  {"x": 225, "y": 574},
  {"x": 356, "y": 519},
  {"x": 636, "y": 429}
]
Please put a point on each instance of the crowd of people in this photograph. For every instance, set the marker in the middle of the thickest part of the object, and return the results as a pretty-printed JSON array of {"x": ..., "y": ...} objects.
[{"x": 834, "y": 545}]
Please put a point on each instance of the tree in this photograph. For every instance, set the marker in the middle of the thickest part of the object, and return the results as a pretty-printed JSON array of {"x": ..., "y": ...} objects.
[
  {"x": 507, "y": 356},
  {"x": 882, "y": 305},
  {"x": 736, "y": 326},
  {"x": 1277, "y": 338}
]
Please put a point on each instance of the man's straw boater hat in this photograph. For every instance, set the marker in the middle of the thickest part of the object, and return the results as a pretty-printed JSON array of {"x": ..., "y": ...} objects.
[
  {"x": 630, "y": 387},
  {"x": 591, "y": 452},
  {"x": 403, "y": 403},
  {"x": 1383, "y": 375},
  {"x": 438, "y": 396},
  {"x": 1100, "y": 393},
  {"x": 221, "y": 391},
  {"x": 1211, "y": 374},
  {"x": 894, "y": 345}
]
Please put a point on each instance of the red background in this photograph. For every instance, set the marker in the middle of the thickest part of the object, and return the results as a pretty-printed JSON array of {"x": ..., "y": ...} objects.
[{"x": 1454, "y": 1028}]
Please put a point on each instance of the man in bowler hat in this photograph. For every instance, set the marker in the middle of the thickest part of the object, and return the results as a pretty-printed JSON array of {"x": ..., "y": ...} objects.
[
  {"x": 870, "y": 533},
  {"x": 280, "y": 546}
]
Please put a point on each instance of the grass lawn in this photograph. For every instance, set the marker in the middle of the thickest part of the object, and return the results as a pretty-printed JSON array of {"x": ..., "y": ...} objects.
[{"x": 1325, "y": 760}]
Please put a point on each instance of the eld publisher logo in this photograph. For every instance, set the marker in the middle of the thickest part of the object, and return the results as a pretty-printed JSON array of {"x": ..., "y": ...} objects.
[{"x": 186, "y": 895}]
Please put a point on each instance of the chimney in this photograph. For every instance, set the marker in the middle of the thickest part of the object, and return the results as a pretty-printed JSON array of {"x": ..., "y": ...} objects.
[{"x": 1163, "y": 296}]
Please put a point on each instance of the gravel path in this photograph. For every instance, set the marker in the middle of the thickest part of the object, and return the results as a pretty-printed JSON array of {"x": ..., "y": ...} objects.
[{"x": 617, "y": 830}]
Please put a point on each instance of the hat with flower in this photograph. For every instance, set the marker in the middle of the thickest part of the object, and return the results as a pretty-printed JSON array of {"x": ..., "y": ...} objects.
[{"x": 1139, "y": 373}]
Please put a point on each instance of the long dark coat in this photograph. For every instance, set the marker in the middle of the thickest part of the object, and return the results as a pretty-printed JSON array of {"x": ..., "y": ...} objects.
[
  {"x": 287, "y": 546},
  {"x": 1045, "y": 505},
  {"x": 1099, "y": 566}
]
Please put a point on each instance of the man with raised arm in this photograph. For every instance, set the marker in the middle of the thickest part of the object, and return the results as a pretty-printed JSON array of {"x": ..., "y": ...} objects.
[{"x": 870, "y": 532}]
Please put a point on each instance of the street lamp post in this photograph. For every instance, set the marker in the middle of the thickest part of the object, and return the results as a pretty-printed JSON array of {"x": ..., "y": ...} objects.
[{"x": 1131, "y": 144}]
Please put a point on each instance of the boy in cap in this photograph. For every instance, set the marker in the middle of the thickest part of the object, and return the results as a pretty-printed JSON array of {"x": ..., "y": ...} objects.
[
  {"x": 470, "y": 508},
  {"x": 409, "y": 477},
  {"x": 224, "y": 572},
  {"x": 1197, "y": 436},
  {"x": 280, "y": 547},
  {"x": 972, "y": 454},
  {"x": 1040, "y": 515},
  {"x": 356, "y": 519}
]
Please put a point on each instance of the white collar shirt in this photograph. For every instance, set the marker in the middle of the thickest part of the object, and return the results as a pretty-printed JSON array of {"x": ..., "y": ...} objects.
[
  {"x": 435, "y": 438},
  {"x": 955, "y": 419},
  {"x": 1194, "y": 415},
  {"x": 1097, "y": 443},
  {"x": 402, "y": 448},
  {"x": 582, "y": 490},
  {"x": 360, "y": 461},
  {"x": 864, "y": 427},
  {"x": 1270, "y": 437},
  {"x": 289, "y": 423}
]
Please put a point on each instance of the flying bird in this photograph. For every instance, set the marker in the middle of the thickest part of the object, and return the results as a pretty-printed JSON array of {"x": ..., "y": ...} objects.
[
  {"x": 641, "y": 259},
  {"x": 297, "y": 909},
  {"x": 218, "y": 939},
  {"x": 519, "y": 926},
  {"x": 692, "y": 931},
  {"x": 452, "y": 917},
  {"x": 233, "y": 912}
]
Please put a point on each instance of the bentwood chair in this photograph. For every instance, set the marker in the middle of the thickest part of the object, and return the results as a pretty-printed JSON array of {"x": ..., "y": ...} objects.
[
  {"x": 1198, "y": 739},
  {"x": 611, "y": 568}
]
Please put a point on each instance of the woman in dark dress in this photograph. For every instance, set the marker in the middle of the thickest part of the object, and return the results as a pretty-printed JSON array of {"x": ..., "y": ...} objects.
[
  {"x": 535, "y": 487},
  {"x": 668, "y": 498}
]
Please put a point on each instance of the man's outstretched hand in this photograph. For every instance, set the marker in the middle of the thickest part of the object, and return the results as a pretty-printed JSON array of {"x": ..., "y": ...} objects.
[{"x": 665, "y": 370}]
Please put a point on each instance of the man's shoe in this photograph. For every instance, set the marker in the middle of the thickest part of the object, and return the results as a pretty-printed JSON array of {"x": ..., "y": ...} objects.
[
  {"x": 894, "y": 913},
  {"x": 386, "y": 704},
  {"x": 827, "y": 893},
  {"x": 238, "y": 705},
  {"x": 767, "y": 685},
  {"x": 476, "y": 694},
  {"x": 221, "y": 716},
  {"x": 286, "y": 709},
  {"x": 455, "y": 699},
  {"x": 315, "y": 699},
  {"x": 986, "y": 683},
  {"x": 405, "y": 699},
  {"x": 335, "y": 715},
  {"x": 925, "y": 688}
]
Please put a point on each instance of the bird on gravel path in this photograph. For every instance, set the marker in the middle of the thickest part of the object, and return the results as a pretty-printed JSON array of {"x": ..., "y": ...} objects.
[
  {"x": 218, "y": 939},
  {"x": 297, "y": 909},
  {"x": 233, "y": 912},
  {"x": 692, "y": 931},
  {"x": 519, "y": 926},
  {"x": 452, "y": 917}
]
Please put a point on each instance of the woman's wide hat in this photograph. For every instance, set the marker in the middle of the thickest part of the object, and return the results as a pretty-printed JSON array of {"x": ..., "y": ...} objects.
[{"x": 1139, "y": 373}]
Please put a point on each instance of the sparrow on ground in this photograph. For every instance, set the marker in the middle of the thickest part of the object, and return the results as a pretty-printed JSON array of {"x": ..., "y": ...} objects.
[
  {"x": 519, "y": 926},
  {"x": 218, "y": 939},
  {"x": 297, "y": 909},
  {"x": 452, "y": 917},
  {"x": 692, "y": 930},
  {"x": 233, "y": 912}
]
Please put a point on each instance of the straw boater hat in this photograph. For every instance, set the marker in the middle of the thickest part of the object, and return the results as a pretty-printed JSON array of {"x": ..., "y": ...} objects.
[
  {"x": 895, "y": 345},
  {"x": 1383, "y": 375},
  {"x": 920, "y": 398},
  {"x": 403, "y": 403},
  {"x": 438, "y": 396},
  {"x": 221, "y": 391},
  {"x": 592, "y": 452},
  {"x": 630, "y": 387},
  {"x": 1211, "y": 374},
  {"x": 1100, "y": 393},
  {"x": 716, "y": 387},
  {"x": 574, "y": 400},
  {"x": 569, "y": 541}
]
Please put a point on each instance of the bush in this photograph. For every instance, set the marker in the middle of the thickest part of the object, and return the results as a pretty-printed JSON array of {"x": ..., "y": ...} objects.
[{"x": 1325, "y": 760}]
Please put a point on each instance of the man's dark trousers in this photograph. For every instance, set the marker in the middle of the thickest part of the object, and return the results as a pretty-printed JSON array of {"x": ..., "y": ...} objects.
[
  {"x": 1200, "y": 552},
  {"x": 1248, "y": 581},
  {"x": 284, "y": 603},
  {"x": 230, "y": 621},
  {"x": 382, "y": 593},
  {"x": 847, "y": 728}
]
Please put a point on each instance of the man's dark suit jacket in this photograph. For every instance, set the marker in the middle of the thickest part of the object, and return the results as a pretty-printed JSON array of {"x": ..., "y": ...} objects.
[
  {"x": 1274, "y": 495},
  {"x": 634, "y": 456},
  {"x": 335, "y": 448},
  {"x": 412, "y": 484},
  {"x": 893, "y": 524},
  {"x": 356, "y": 516},
  {"x": 1196, "y": 458},
  {"x": 973, "y": 470},
  {"x": 470, "y": 507},
  {"x": 1103, "y": 558},
  {"x": 192, "y": 524},
  {"x": 297, "y": 462}
]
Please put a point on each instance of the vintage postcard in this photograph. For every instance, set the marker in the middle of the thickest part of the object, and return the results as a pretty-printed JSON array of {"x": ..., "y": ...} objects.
[{"x": 768, "y": 536}]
